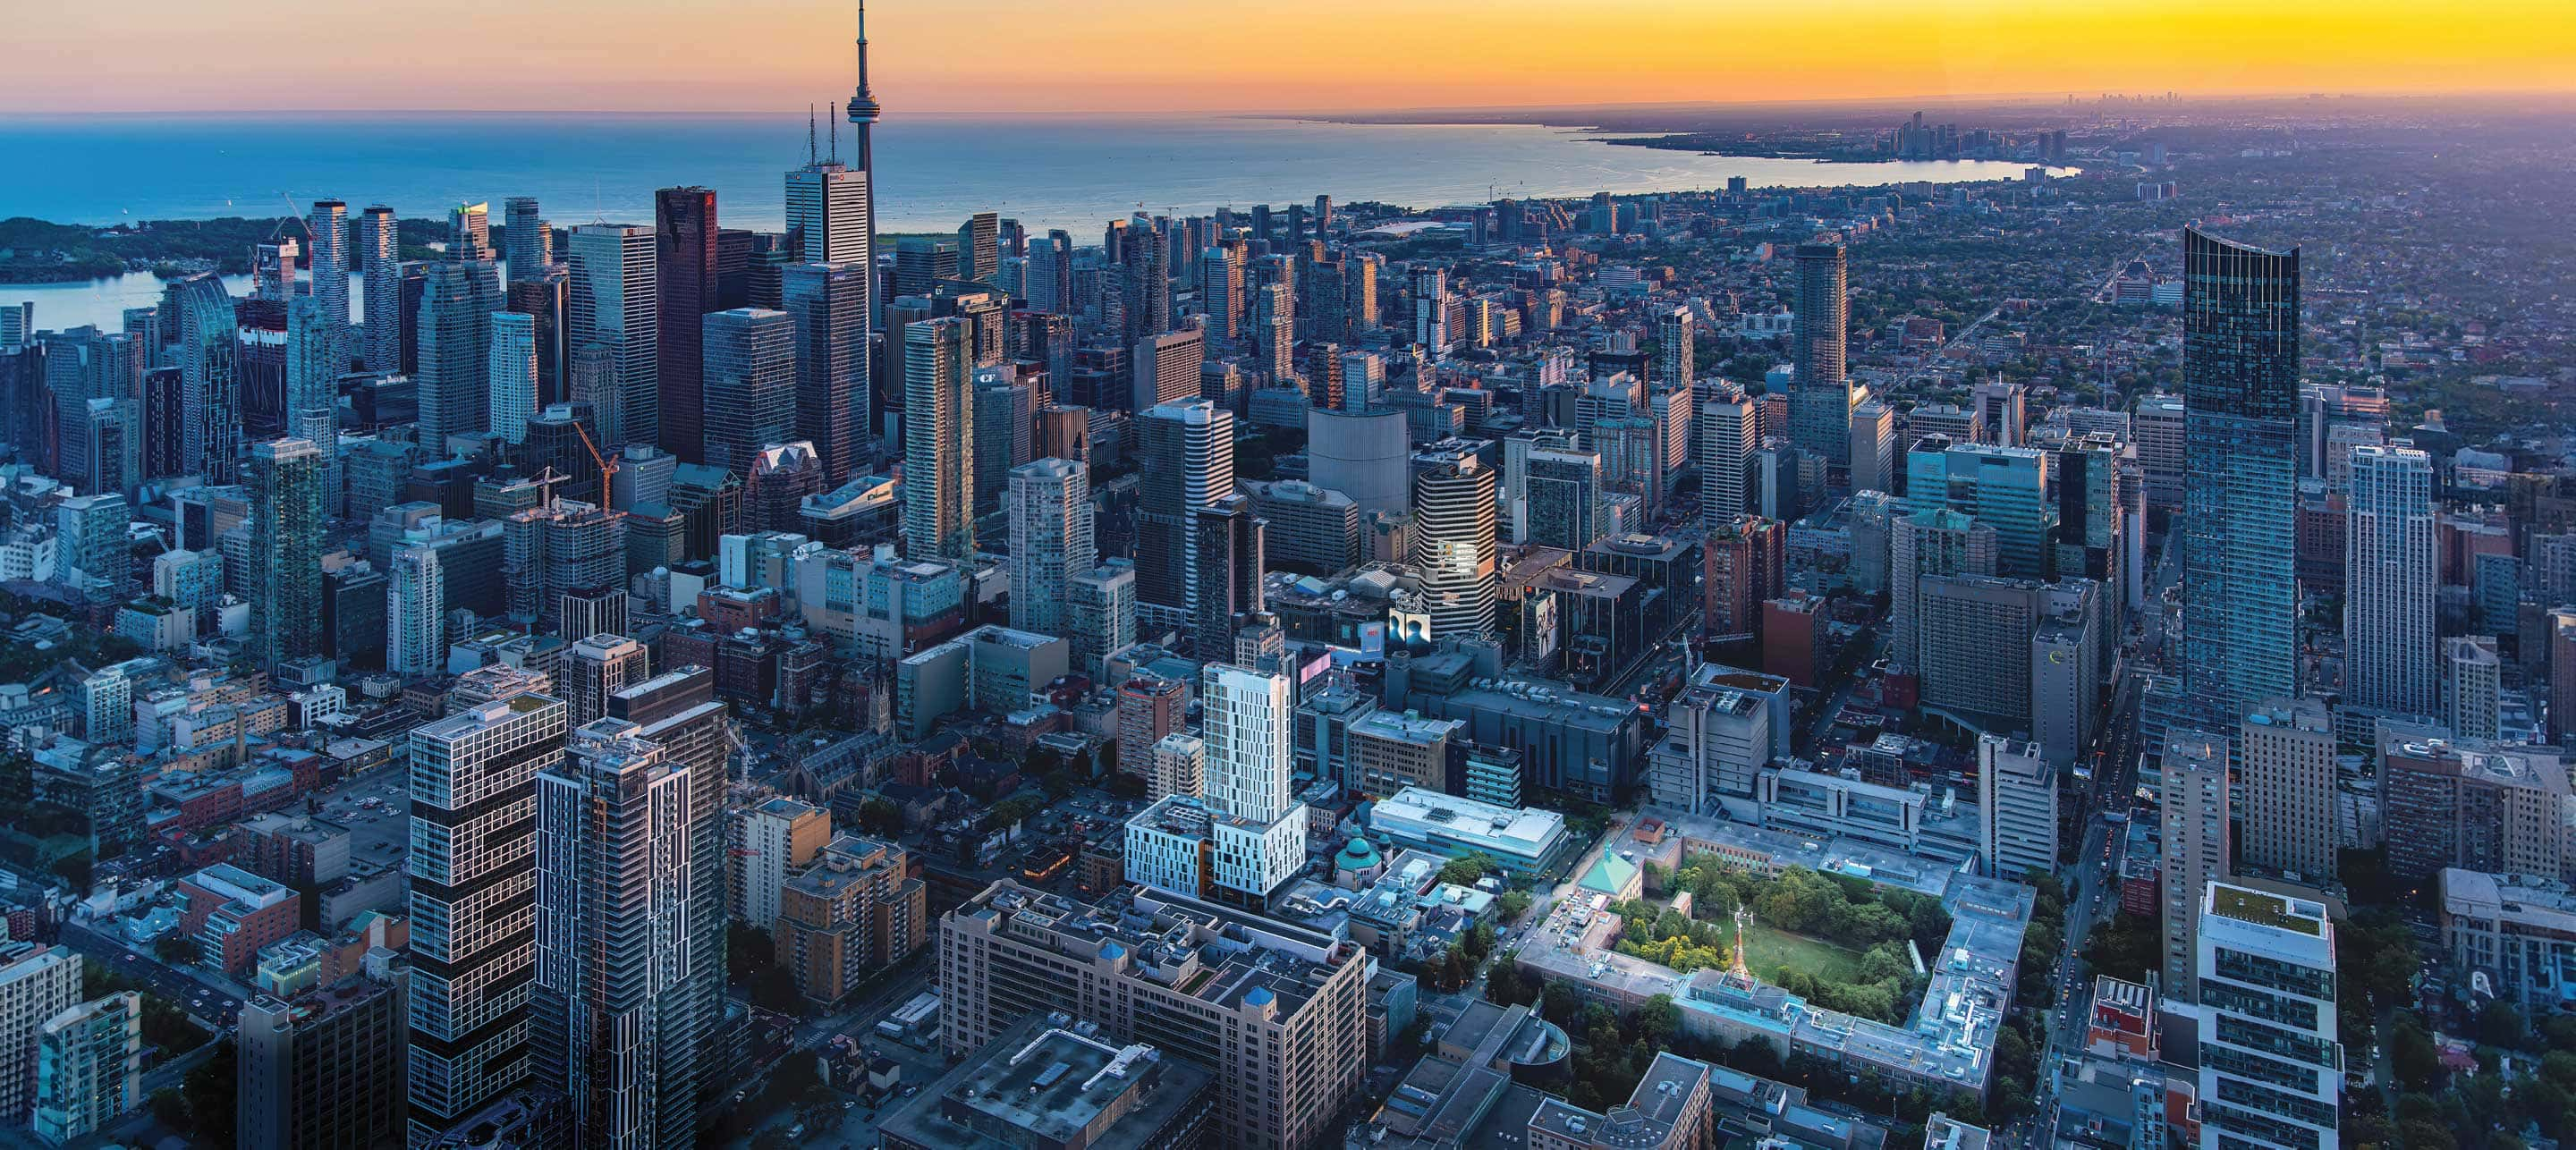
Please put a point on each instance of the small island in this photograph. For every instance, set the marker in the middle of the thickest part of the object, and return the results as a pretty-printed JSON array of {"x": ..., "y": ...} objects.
[{"x": 34, "y": 251}]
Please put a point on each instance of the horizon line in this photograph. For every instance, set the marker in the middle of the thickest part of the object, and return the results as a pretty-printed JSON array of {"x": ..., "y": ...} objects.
[{"x": 1272, "y": 113}]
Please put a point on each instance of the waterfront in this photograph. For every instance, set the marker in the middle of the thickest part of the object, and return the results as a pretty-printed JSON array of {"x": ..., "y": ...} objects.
[{"x": 934, "y": 171}]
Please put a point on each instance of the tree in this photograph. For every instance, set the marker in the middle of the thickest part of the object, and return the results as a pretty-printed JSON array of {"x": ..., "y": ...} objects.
[
  {"x": 2122, "y": 946},
  {"x": 175, "y": 949},
  {"x": 881, "y": 818},
  {"x": 2411, "y": 1055},
  {"x": 1012, "y": 811},
  {"x": 1467, "y": 868},
  {"x": 2502, "y": 1025},
  {"x": 74, "y": 869},
  {"x": 212, "y": 1101},
  {"x": 1480, "y": 941},
  {"x": 1512, "y": 905}
]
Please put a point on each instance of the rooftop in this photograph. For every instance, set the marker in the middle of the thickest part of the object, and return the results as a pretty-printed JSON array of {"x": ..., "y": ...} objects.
[
  {"x": 1053, "y": 1079},
  {"x": 2263, "y": 908},
  {"x": 1219, "y": 955},
  {"x": 1523, "y": 830}
]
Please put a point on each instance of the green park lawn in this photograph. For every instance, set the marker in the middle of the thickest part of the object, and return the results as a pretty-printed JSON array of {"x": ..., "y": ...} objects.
[{"x": 1773, "y": 950}]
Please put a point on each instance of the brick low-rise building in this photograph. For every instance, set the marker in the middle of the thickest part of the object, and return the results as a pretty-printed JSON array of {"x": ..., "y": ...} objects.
[
  {"x": 231, "y": 913},
  {"x": 854, "y": 912}
]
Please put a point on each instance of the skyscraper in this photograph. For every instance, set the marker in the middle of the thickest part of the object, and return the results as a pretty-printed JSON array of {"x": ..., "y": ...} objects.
[
  {"x": 34, "y": 987},
  {"x": 209, "y": 369},
  {"x": 379, "y": 262},
  {"x": 1049, "y": 286},
  {"x": 2392, "y": 566},
  {"x": 1453, "y": 536},
  {"x": 2271, "y": 1072},
  {"x": 1221, "y": 291},
  {"x": 938, "y": 444},
  {"x": 678, "y": 711},
  {"x": 684, "y": 247},
  {"x": 2472, "y": 684},
  {"x": 1431, "y": 309},
  {"x": 1730, "y": 430},
  {"x": 2016, "y": 808},
  {"x": 416, "y": 613},
  {"x": 1927, "y": 544},
  {"x": 469, "y": 232},
  {"x": 1674, "y": 353},
  {"x": 2288, "y": 751},
  {"x": 614, "y": 307},
  {"x": 1564, "y": 498},
  {"x": 827, "y": 211},
  {"x": 272, "y": 269},
  {"x": 2005, "y": 488},
  {"x": 613, "y": 878},
  {"x": 749, "y": 379},
  {"x": 545, "y": 297},
  {"x": 1004, "y": 419},
  {"x": 313, "y": 368},
  {"x": 90, "y": 531},
  {"x": 2241, "y": 395},
  {"x": 1051, "y": 542},
  {"x": 1187, "y": 454},
  {"x": 326, "y": 242},
  {"x": 456, "y": 308},
  {"x": 326, "y": 1069},
  {"x": 1260, "y": 828},
  {"x": 89, "y": 1067},
  {"x": 512, "y": 371},
  {"x": 1226, "y": 577},
  {"x": 286, "y": 550},
  {"x": 979, "y": 247},
  {"x": 1148, "y": 282},
  {"x": 1100, "y": 614},
  {"x": 596, "y": 667},
  {"x": 2195, "y": 816},
  {"x": 473, "y": 873},
  {"x": 829, "y": 305},
  {"x": 1873, "y": 446},
  {"x": 1820, "y": 396},
  {"x": 592, "y": 379},
  {"x": 563, "y": 550},
  {"x": 528, "y": 243},
  {"x": 1167, "y": 368}
]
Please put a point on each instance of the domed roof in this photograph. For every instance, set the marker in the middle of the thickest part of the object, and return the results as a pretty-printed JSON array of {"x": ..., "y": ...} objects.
[{"x": 1357, "y": 854}]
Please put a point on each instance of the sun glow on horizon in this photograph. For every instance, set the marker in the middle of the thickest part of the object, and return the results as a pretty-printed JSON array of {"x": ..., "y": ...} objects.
[{"x": 1230, "y": 55}]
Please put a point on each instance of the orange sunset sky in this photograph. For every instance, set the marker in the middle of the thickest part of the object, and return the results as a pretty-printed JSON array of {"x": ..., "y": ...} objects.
[{"x": 983, "y": 56}]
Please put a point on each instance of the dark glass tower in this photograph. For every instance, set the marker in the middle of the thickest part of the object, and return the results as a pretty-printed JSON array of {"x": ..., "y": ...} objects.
[
  {"x": 684, "y": 248},
  {"x": 2241, "y": 397},
  {"x": 1820, "y": 397}
]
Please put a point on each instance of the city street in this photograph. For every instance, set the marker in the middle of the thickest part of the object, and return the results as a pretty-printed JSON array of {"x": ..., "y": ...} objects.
[
  {"x": 212, "y": 1001},
  {"x": 920, "y": 1064}
]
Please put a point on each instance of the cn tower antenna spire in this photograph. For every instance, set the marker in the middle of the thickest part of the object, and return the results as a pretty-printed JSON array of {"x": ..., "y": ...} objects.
[
  {"x": 863, "y": 98},
  {"x": 863, "y": 112}
]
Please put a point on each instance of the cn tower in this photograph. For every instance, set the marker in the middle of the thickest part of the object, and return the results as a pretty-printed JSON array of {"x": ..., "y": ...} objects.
[{"x": 863, "y": 116}]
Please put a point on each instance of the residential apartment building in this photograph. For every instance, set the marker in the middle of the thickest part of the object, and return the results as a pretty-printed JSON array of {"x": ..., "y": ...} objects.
[{"x": 1275, "y": 1012}]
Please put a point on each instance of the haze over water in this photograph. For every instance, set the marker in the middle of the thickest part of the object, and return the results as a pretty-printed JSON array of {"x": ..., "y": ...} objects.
[{"x": 932, "y": 171}]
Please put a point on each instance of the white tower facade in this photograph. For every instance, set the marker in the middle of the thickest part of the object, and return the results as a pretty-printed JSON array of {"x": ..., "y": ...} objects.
[{"x": 2392, "y": 570}]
